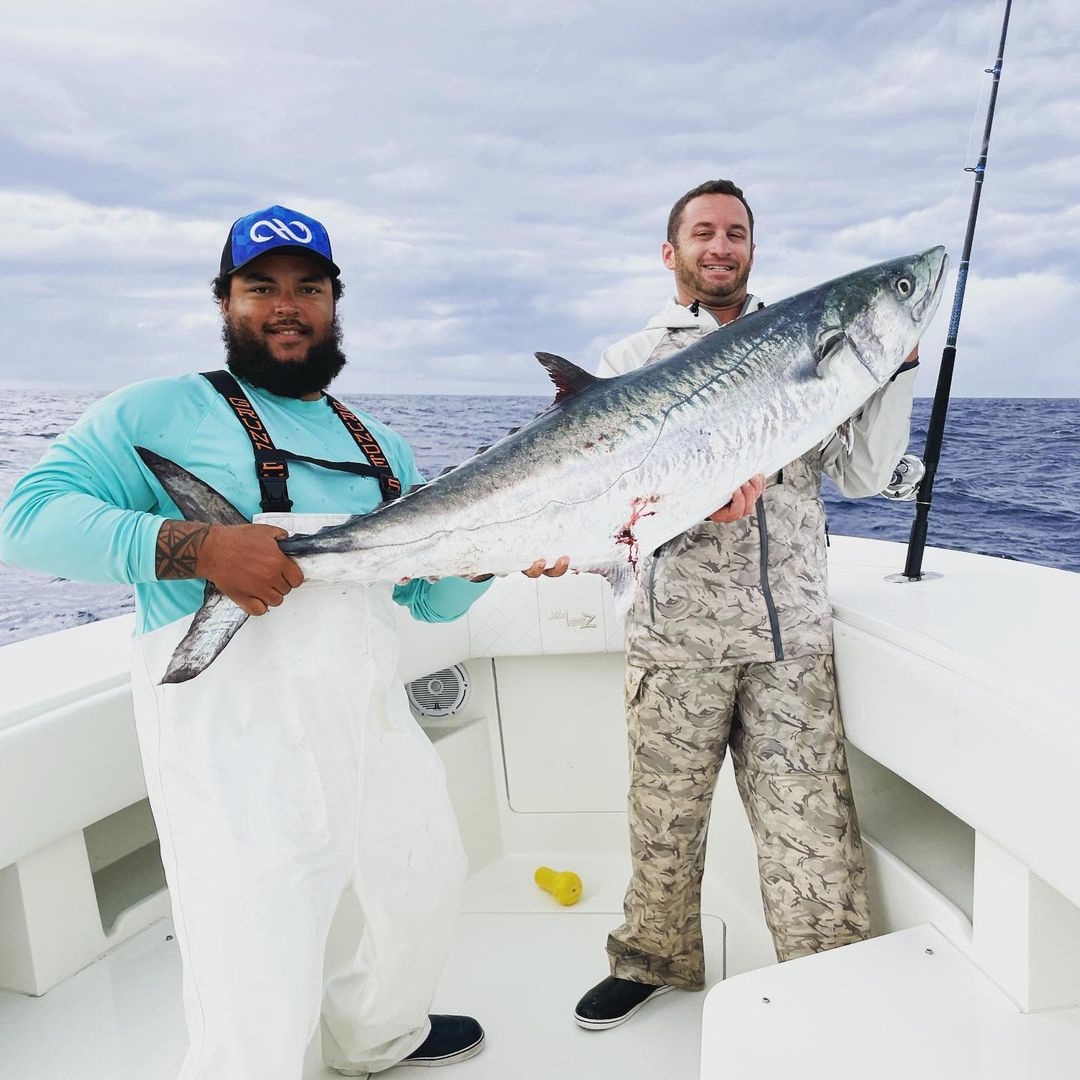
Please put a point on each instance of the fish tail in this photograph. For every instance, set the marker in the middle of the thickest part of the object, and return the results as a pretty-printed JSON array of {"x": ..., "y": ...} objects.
[
  {"x": 212, "y": 628},
  {"x": 218, "y": 619}
]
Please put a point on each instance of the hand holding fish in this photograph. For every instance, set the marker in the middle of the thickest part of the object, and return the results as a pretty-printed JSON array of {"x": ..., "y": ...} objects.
[
  {"x": 741, "y": 503},
  {"x": 556, "y": 569},
  {"x": 910, "y": 361},
  {"x": 243, "y": 561}
]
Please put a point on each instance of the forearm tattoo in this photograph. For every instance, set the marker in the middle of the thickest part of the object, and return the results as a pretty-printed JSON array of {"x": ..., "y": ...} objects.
[{"x": 178, "y": 546}]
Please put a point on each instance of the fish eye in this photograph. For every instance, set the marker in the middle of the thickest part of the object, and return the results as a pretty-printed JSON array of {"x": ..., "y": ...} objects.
[{"x": 905, "y": 286}]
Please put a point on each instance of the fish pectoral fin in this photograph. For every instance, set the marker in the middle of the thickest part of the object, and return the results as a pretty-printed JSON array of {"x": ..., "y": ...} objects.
[
  {"x": 568, "y": 378},
  {"x": 622, "y": 578},
  {"x": 196, "y": 499},
  {"x": 211, "y": 630}
]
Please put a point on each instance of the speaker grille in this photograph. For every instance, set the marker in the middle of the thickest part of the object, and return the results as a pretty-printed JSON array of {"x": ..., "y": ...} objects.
[{"x": 440, "y": 694}]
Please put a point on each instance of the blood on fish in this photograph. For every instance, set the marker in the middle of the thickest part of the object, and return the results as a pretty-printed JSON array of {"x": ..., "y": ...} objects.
[{"x": 625, "y": 534}]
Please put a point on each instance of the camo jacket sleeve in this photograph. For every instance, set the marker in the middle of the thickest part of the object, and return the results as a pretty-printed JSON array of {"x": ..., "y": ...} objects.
[{"x": 878, "y": 436}]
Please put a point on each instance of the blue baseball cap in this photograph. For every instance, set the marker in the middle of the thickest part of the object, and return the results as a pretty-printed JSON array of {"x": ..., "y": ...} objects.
[{"x": 277, "y": 228}]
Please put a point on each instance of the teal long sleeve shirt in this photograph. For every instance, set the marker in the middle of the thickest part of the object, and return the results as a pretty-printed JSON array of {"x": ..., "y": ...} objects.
[{"x": 90, "y": 510}]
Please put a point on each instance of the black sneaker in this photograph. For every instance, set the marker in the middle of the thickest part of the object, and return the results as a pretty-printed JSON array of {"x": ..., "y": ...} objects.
[
  {"x": 452, "y": 1038},
  {"x": 614, "y": 1001}
]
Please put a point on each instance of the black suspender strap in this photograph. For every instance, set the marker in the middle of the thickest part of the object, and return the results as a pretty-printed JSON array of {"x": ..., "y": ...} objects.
[
  {"x": 271, "y": 468},
  {"x": 389, "y": 484}
]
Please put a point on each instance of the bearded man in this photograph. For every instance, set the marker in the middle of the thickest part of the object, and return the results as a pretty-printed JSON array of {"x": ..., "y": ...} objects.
[{"x": 289, "y": 776}]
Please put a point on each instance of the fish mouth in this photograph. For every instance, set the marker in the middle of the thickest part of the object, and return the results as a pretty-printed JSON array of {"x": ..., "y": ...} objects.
[{"x": 931, "y": 291}]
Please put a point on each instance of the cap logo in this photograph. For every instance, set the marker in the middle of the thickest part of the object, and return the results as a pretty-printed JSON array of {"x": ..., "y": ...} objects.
[{"x": 260, "y": 234}]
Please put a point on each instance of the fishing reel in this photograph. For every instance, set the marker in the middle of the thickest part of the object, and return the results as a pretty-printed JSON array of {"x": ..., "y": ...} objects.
[{"x": 904, "y": 485}]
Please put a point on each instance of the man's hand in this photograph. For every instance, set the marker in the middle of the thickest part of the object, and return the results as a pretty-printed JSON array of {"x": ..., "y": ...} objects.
[
  {"x": 243, "y": 561},
  {"x": 741, "y": 503},
  {"x": 557, "y": 568},
  {"x": 910, "y": 361}
]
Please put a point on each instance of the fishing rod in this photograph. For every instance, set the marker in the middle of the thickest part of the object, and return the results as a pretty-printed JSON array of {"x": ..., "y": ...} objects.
[{"x": 936, "y": 428}]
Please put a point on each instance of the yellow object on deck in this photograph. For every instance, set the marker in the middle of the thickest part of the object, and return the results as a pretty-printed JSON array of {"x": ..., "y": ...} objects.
[{"x": 564, "y": 885}]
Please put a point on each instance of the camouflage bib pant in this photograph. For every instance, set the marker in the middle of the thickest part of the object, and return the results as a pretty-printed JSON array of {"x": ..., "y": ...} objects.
[{"x": 787, "y": 748}]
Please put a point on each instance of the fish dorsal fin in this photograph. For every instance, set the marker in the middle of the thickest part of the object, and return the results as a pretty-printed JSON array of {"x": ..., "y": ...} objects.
[{"x": 568, "y": 378}]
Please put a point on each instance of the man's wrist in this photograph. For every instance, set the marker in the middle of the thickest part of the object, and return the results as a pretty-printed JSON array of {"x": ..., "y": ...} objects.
[
  {"x": 178, "y": 548},
  {"x": 481, "y": 578}
]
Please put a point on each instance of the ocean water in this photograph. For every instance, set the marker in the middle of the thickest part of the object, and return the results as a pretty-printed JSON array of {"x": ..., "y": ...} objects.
[{"x": 1008, "y": 483}]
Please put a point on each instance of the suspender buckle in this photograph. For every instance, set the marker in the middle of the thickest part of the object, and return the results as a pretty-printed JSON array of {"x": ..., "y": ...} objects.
[
  {"x": 273, "y": 474},
  {"x": 275, "y": 495}
]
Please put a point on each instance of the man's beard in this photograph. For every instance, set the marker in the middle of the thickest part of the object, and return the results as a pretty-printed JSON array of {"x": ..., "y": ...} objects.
[
  {"x": 695, "y": 285},
  {"x": 249, "y": 359}
]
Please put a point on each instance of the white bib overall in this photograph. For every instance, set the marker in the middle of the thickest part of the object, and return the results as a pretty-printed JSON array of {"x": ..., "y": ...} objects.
[{"x": 293, "y": 790}]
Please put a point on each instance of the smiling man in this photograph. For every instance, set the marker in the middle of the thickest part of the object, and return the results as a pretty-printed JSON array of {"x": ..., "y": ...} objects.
[
  {"x": 729, "y": 643},
  {"x": 290, "y": 776},
  {"x": 286, "y": 349},
  {"x": 710, "y": 249}
]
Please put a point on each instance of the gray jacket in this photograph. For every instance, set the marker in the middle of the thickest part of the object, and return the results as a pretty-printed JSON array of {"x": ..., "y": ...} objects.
[{"x": 754, "y": 589}]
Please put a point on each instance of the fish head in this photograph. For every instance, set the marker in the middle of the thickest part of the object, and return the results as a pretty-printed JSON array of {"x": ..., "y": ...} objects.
[{"x": 879, "y": 314}]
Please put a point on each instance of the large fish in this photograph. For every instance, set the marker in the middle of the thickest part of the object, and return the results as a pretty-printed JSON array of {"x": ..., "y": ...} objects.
[{"x": 615, "y": 467}]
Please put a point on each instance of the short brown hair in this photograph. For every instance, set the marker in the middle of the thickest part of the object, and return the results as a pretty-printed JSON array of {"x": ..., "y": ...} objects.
[{"x": 710, "y": 187}]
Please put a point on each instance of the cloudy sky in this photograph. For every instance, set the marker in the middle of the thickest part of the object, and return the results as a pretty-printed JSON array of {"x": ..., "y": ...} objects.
[{"x": 496, "y": 174}]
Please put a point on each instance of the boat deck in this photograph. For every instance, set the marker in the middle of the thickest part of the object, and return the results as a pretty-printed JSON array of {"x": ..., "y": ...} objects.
[
  {"x": 518, "y": 971},
  {"x": 908, "y": 1004}
]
